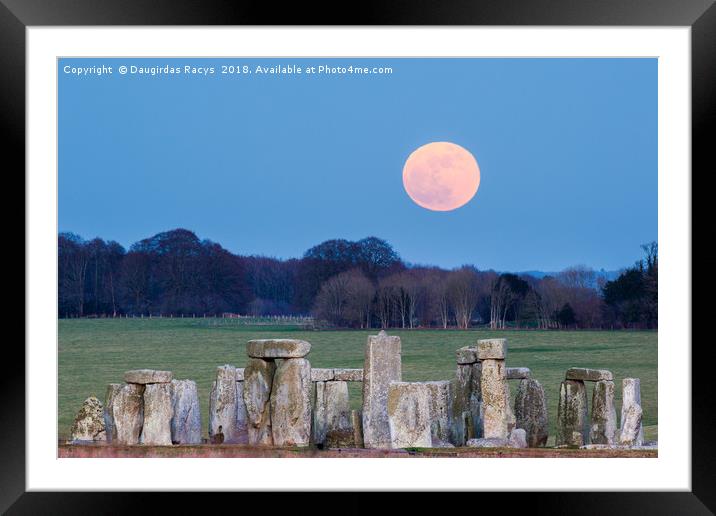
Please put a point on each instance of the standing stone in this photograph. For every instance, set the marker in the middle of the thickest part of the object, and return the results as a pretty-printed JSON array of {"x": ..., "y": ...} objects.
[
  {"x": 128, "y": 413},
  {"x": 572, "y": 422},
  {"x": 604, "y": 415},
  {"x": 158, "y": 412},
  {"x": 631, "y": 424},
  {"x": 631, "y": 395},
  {"x": 357, "y": 425},
  {"x": 382, "y": 366},
  {"x": 462, "y": 421},
  {"x": 409, "y": 415},
  {"x": 110, "y": 430},
  {"x": 440, "y": 415},
  {"x": 290, "y": 403},
  {"x": 242, "y": 417},
  {"x": 531, "y": 412},
  {"x": 331, "y": 410},
  {"x": 258, "y": 380},
  {"x": 495, "y": 400},
  {"x": 476, "y": 399},
  {"x": 223, "y": 406},
  {"x": 89, "y": 422},
  {"x": 186, "y": 422}
]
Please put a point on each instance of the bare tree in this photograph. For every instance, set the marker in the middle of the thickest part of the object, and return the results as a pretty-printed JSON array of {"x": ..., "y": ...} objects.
[{"x": 463, "y": 290}]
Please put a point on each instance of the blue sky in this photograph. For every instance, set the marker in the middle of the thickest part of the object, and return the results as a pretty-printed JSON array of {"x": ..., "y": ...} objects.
[{"x": 275, "y": 164}]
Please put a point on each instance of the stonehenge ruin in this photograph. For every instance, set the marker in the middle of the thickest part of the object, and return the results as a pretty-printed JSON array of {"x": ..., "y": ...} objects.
[{"x": 279, "y": 400}]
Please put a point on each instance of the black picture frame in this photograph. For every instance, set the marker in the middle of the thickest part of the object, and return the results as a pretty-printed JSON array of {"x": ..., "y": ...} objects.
[{"x": 700, "y": 15}]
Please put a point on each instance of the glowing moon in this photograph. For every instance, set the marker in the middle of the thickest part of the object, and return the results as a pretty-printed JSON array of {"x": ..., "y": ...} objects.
[{"x": 441, "y": 176}]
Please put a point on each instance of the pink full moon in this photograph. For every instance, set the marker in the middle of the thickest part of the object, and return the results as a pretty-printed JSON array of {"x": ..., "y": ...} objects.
[{"x": 441, "y": 176}]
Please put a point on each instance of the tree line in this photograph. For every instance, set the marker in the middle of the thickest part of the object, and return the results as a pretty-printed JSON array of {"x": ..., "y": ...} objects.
[{"x": 342, "y": 283}]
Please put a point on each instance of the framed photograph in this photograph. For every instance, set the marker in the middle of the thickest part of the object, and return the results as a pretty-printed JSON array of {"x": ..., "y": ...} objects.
[{"x": 423, "y": 248}]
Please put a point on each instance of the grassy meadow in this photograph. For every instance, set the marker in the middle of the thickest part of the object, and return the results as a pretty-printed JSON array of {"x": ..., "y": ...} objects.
[{"x": 95, "y": 352}]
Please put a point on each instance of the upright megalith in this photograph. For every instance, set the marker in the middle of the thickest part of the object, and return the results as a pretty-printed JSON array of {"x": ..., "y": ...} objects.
[
  {"x": 242, "y": 416},
  {"x": 89, "y": 423},
  {"x": 290, "y": 403},
  {"x": 258, "y": 380},
  {"x": 158, "y": 412},
  {"x": 186, "y": 421},
  {"x": 409, "y": 415},
  {"x": 440, "y": 412},
  {"x": 223, "y": 403},
  {"x": 128, "y": 412},
  {"x": 332, "y": 411},
  {"x": 110, "y": 430},
  {"x": 382, "y": 366},
  {"x": 462, "y": 426},
  {"x": 531, "y": 412},
  {"x": 603, "y": 425},
  {"x": 496, "y": 413},
  {"x": 631, "y": 396},
  {"x": 572, "y": 422}
]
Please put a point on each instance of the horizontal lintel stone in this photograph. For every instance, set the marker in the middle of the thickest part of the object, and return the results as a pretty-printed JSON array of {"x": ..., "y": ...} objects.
[
  {"x": 278, "y": 348},
  {"x": 518, "y": 373},
  {"x": 145, "y": 376},
  {"x": 321, "y": 375},
  {"x": 588, "y": 375},
  {"x": 466, "y": 355},
  {"x": 491, "y": 349},
  {"x": 348, "y": 375}
]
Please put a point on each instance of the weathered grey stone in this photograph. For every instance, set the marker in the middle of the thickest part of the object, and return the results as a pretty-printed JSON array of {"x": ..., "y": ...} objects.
[
  {"x": 258, "y": 380},
  {"x": 110, "y": 430},
  {"x": 242, "y": 416},
  {"x": 495, "y": 399},
  {"x": 476, "y": 399},
  {"x": 510, "y": 417},
  {"x": 518, "y": 373},
  {"x": 186, "y": 421},
  {"x": 340, "y": 439},
  {"x": 409, "y": 415},
  {"x": 572, "y": 422},
  {"x": 631, "y": 395},
  {"x": 89, "y": 422},
  {"x": 382, "y": 366},
  {"x": 128, "y": 413},
  {"x": 331, "y": 409},
  {"x": 518, "y": 438},
  {"x": 291, "y": 403},
  {"x": 466, "y": 355},
  {"x": 348, "y": 375},
  {"x": 278, "y": 348},
  {"x": 462, "y": 422},
  {"x": 440, "y": 410},
  {"x": 239, "y": 374},
  {"x": 588, "y": 375},
  {"x": 531, "y": 412},
  {"x": 158, "y": 412},
  {"x": 603, "y": 427},
  {"x": 146, "y": 376},
  {"x": 631, "y": 424},
  {"x": 321, "y": 375},
  {"x": 493, "y": 349},
  {"x": 223, "y": 405},
  {"x": 487, "y": 442},
  {"x": 357, "y": 425}
]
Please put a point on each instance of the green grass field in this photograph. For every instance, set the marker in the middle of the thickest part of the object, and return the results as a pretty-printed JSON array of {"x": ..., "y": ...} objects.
[{"x": 93, "y": 353}]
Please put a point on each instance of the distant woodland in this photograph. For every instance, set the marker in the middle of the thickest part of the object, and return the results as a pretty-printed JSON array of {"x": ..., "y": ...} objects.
[{"x": 341, "y": 283}]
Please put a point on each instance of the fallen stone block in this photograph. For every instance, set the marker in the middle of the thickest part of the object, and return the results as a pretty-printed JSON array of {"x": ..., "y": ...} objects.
[
  {"x": 89, "y": 422},
  {"x": 531, "y": 412},
  {"x": 518, "y": 373},
  {"x": 494, "y": 349},
  {"x": 321, "y": 375},
  {"x": 487, "y": 442},
  {"x": 588, "y": 375},
  {"x": 518, "y": 438},
  {"x": 278, "y": 348},
  {"x": 466, "y": 355},
  {"x": 147, "y": 376},
  {"x": 128, "y": 413},
  {"x": 603, "y": 425},
  {"x": 186, "y": 421},
  {"x": 382, "y": 366},
  {"x": 110, "y": 430},
  {"x": 290, "y": 403},
  {"x": 409, "y": 415},
  {"x": 572, "y": 422},
  {"x": 348, "y": 375},
  {"x": 158, "y": 412},
  {"x": 340, "y": 439},
  {"x": 258, "y": 380}
]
